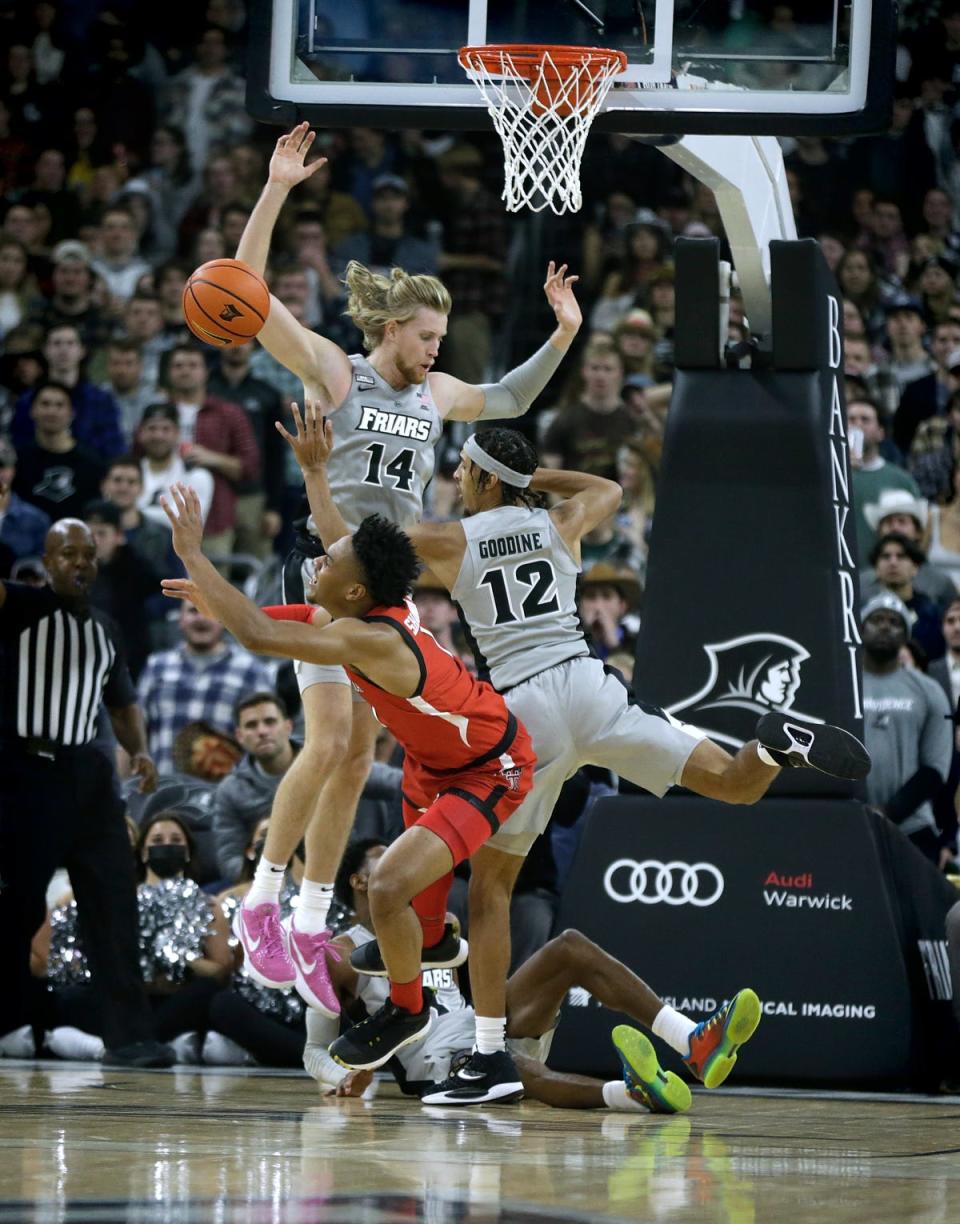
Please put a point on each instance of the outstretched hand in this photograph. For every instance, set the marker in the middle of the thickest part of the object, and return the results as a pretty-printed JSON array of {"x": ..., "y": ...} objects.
[
  {"x": 314, "y": 438},
  {"x": 353, "y": 1084},
  {"x": 287, "y": 163},
  {"x": 187, "y": 590},
  {"x": 187, "y": 522},
  {"x": 143, "y": 767},
  {"x": 558, "y": 288}
]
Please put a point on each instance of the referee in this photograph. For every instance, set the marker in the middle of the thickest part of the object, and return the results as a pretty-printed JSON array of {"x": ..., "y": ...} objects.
[{"x": 59, "y": 660}]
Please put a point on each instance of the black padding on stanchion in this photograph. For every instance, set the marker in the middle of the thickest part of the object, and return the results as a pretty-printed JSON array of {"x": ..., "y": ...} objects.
[
  {"x": 752, "y": 596},
  {"x": 805, "y": 325},
  {"x": 697, "y": 331},
  {"x": 823, "y": 908}
]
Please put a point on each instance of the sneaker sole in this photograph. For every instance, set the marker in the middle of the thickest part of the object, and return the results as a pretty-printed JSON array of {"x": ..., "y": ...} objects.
[
  {"x": 504, "y": 1093},
  {"x": 252, "y": 971},
  {"x": 455, "y": 963},
  {"x": 302, "y": 983},
  {"x": 741, "y": 1024},
  {"x": 833, "y": 751},
  {"x": 382, "y": 1058},
  {"x": 640, "y": 1063}
]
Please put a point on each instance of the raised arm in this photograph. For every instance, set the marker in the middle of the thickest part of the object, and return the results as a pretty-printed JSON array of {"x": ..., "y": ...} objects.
[
  {"x": 588, "y": 501},
  {"x": 322, "y": 367},
  {"x": 376, "y": 649},
  {"x": 513, "y": 395},
  {"x": 312, "y": 445}
]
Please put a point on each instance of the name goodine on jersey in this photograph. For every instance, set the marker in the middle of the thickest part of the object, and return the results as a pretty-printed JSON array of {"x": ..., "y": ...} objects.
[
  {"x": 397, "y": 424},
  {"x": 509, "y": 546}
]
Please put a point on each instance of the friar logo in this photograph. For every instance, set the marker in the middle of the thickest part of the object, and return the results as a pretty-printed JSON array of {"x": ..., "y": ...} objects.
[
  {"x": 747, "y": 676},
  {"x": 230, "y": 312}
]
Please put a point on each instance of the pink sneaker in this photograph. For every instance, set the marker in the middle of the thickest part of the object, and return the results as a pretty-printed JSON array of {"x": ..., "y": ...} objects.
[
  {"x": 309, "y": 955},
  {"x": 264, "y": 943}
]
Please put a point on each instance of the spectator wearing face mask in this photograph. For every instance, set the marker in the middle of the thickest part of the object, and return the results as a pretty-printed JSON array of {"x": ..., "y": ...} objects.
[{"x": 185, "y": 956}]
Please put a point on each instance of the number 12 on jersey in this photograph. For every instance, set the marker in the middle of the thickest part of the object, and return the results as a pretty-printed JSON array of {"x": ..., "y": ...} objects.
[{"x": 540, "y": 579}]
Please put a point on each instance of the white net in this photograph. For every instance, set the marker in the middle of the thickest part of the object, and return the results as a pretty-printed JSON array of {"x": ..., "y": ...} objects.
[{"x": 542, "y": 104}]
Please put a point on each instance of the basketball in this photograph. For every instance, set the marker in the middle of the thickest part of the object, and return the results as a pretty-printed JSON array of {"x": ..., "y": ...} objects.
[{"x": 225, "y": 302}]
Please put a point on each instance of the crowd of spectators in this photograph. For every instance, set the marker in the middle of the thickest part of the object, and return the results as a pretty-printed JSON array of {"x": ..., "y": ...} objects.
[{"x": 127, "y": 159}]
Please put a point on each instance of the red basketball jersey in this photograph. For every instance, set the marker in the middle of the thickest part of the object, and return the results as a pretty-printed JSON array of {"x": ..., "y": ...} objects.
[{"x": 453, "y": 721}]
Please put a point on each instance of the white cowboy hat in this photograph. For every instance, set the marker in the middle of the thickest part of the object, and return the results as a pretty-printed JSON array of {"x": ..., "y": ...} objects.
[{"x": 896, "y": 501}]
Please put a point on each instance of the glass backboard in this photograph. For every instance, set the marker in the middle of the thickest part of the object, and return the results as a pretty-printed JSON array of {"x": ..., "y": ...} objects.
[{"x": 752, "y": 67}]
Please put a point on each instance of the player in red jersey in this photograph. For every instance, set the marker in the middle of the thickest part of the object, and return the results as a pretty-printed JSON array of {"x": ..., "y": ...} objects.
[{"x": 469, "y": 763}]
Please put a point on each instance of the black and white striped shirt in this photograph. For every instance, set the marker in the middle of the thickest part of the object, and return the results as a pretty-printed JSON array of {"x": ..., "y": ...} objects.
[{"x": 57, "y": 665}]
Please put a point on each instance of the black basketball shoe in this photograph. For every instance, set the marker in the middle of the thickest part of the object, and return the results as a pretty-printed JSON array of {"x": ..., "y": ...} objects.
[
  {"x": 801, "y": 745},
  {"x": 374, "y": 1041},
  {"x": 450, "y": 952},
  {"x": 140, "y": 1054},
  {"x": 479, "y": 1078}
]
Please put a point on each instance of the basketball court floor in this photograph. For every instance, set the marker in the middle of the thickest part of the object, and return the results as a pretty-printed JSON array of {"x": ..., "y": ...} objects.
[{"x": 83, "y": 1143}]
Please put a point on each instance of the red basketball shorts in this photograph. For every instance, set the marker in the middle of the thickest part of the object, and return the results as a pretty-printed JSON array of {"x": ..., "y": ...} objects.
[{"x": 465, "y": 809}]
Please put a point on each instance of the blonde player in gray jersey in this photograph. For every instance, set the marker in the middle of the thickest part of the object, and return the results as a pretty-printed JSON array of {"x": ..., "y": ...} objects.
[
  {"x": 512, "y": 564},
  {"x": 386, "y": 409}
]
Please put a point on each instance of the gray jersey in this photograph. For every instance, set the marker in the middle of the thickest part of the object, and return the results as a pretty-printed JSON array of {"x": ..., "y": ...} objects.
[
  {"x": 383, "y": 448},
  {"x": 906, "y": 724},
  {"x": 517, "y": 587}
]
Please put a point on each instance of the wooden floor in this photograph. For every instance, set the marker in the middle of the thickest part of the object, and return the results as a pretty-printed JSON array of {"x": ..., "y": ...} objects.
[{"x": 83, "y": 1143}]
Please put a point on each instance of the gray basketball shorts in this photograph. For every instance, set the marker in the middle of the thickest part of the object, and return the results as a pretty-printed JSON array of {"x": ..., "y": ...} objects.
[
  {"x": 430, "y": 1060},
  {"x": 577, "y": 714},
  {"x": 318, "y": 673}
]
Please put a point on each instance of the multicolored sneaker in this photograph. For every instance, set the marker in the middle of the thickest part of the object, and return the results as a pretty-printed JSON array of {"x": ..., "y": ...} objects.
[
  {"x": 714, "y": 1042},
  {"x": 646, "y": 1081},
  {"x": 309, "y": 955},
  {"x": 264, "y": 943}
]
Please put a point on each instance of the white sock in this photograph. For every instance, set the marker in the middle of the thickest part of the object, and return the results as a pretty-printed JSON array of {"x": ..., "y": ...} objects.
[
  {"x": 674, "y": 1028},
  {"x": 267, "y": 882},
  {"x": 321, "y": 1029},
  {"x": 491, "y": 1034},
  {"x": 766, "y": 757},
  {"x": 615, "y": 1096},
  {"x": 310, "y": 916}
]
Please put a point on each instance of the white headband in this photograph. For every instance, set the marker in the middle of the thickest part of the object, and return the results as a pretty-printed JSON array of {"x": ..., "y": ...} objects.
[{"x": 475, "y": 451}]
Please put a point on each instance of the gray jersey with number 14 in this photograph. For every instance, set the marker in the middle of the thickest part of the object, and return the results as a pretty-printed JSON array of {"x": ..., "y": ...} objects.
[
  {"x": 383, "y": 448},
  {"x": 517, "y": 587}
]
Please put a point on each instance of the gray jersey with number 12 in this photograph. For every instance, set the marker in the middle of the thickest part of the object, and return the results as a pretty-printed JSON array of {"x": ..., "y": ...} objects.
[{"x": 517, "y": 587}]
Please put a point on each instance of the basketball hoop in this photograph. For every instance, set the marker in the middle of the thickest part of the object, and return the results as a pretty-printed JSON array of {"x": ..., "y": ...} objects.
[{"x": 542, "y": 101}]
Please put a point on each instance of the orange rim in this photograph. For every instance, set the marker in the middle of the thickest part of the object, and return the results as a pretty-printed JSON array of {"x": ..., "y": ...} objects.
[{"x": 527, "y": 57}]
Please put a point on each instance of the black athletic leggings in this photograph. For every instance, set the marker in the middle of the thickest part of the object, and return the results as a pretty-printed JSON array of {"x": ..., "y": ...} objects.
[
  {"x": 271, "y": 1042},
  {"x": 187, "y": 1010}
]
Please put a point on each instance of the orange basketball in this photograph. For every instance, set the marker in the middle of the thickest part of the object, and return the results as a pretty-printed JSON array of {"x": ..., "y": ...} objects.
[{"x": 225, "y": 302}]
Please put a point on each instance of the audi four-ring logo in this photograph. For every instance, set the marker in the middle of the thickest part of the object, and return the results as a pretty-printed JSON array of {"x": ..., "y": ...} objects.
[{"x": 673, "y": 883}]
